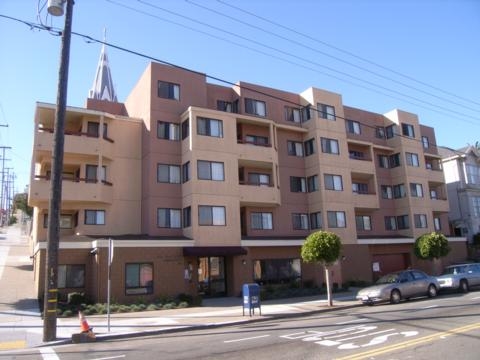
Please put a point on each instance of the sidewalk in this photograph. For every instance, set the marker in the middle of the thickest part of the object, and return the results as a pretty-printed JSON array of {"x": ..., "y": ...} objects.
[{"x": 21, "y": 325}]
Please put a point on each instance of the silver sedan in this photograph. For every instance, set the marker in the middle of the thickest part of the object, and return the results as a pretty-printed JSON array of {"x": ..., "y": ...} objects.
[{"x": 399, "y": 285}]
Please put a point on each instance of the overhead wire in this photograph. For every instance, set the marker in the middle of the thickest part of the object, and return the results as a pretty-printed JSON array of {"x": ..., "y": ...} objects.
[
  {"x": 346, "y": 52},
  {"x": 90, "y": 39}
]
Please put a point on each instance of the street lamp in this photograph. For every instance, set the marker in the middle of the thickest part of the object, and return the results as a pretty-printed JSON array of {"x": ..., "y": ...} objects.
[{"x": 55, "y": 8}]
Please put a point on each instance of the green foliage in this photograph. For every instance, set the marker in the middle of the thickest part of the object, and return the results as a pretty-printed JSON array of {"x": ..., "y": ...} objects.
[
  {"x": 431, "y": 246},
  {"x": 12, "y": 220},
  {"x": 20, "y": 202},
  {"x": 321, "y": 246}
]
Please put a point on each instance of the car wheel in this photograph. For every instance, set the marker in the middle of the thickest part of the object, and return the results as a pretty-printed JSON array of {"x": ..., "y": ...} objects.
[
  {"x": 463, "y": 286},
  {"x": 395, "y": 297},
  {"x": 432, "y": 291}
]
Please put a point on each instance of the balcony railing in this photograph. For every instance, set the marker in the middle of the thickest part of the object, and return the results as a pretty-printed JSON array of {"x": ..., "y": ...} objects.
[{"x": 79, "y": 133}]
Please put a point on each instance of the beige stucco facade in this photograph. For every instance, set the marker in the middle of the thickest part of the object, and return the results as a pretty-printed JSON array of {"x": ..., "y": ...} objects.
[{"x": 208, "y": 187}]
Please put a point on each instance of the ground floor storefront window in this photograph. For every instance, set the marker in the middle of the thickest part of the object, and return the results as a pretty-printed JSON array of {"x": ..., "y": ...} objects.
[
  {"x": 138, "y": 278},
  {"x": 277, "y": 271},
  {"x": 211, "y": 276},
  {"x": 71, "y": 276}
]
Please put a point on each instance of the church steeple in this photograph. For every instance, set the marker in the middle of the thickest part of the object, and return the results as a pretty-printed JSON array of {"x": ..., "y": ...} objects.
[{"x": 102, "y": 88}]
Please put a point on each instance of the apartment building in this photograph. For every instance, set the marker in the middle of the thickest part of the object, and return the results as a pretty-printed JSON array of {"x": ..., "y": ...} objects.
[
  {"x": 202, "y": 188},
  {"x": 462, "y": 177}
]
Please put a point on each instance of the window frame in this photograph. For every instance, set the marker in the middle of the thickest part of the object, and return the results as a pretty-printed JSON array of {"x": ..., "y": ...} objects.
[
  {"x": 139, "y": 287},
  {"x": 300, "y": 221},
  {"x": 168, "y": 131},
  {"x": 327, "y": 147},
  {"x": 97, "y": 213},
  {"x": 172, "y": 90},
  {"x": 412, "y": 159},
  {"x": 206, "y": 129},
  {"x": 170, "y": 213},
  {"x": 420, "y": 221},
  {"x": 316, "y": 221},
  {"x": 266, "y": 218},
  {"x": 353, "y": 127},
  {"x": 326, "y": 112},
  {"x": 335, "y": 221},
  {"x": 253, "y": 107},
  {"x": 408, "y": 130},
  {"x": 298, "y": 184},
  {"x": 363, "y": 222},
  {"x": 312, "y": 183},
  {"x": 65, "y": 277},
  {"x": 212, "y": 220},
  {"x": 211, "y": 165},
  {"x": 171, "y": 175},
  {"x": 331, "y": 181},
  {"x": 293, "y": 147}
]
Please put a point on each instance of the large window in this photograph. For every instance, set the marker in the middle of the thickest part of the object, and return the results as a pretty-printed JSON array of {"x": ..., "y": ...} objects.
[
  {"x": 169, "y": 218},
  {"x": 298, "y": 184},
  {"x": 138, "y": 279},
  {"x": 416, "y": 190},
  {"x": 420, "y": 221},
  {"x": 353, "y": 127},
  {"x": 330, "y": 146},
  {"x": 210, "y": 170},
  {"x": 387, "y": 191},
  {"x": 300, "y": 221},
  {"x": 295, "y": 148},
  {"x": 293, "y": 114},
  {"x": 402, "y": 222},
  {"x": 71, "y": 276},
  {"x": 261, "y": 221},
  {"x": 255, "y": 107},
  {"x": 407, "y": 130},
  {"x": 390, "y": 223},
  {"x": 326, "y": 111},
  {"x": 168, "y": 174},
  {"x": 94, "y": 217},
  {"x": 168, "y": 131},
  {"x": 209, "y": 127},
  {"x": 363, "y": 222},
  {"x": 399, "y": 191},
  {"x": 316, "y": 220},
  {"x": 473, "y": 174},
  {"x": 336, "y": 219},
  {"x": 168, "y": 90},
  {"x": 91, "y": 172},
  {"x": 211, "y": 215},
  {"x": 412, "y": 159},
  {"x": 277, "y": 271},
  {"x": 312, "y": 183},
  {"x": 333, "y": 182},
  {"x": 66, "y": 221}
]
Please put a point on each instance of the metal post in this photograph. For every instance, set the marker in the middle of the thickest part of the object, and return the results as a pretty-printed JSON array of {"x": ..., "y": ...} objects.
[
  {"x": 53, "y": 235},
  {"x": 109, "y": 283}
]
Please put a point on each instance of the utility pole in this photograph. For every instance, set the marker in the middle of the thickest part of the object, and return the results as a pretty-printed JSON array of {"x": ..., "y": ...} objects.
[
  {"x": 2, "y": 200},
  {"x": 55, "y": 8}
]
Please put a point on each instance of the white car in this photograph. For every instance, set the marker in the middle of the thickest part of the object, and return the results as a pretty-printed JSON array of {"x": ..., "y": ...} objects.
[{"x": 460, "y": 277}]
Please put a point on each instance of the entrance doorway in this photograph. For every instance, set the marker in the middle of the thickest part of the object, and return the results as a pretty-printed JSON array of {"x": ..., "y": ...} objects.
[{"x": 211, "y": 276}]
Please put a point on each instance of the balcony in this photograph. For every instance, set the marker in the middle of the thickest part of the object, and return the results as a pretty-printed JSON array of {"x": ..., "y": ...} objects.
[
  {"x": 440, "y": 205},
  {"x": 76, "y": 143},
  {"x": 258, "y": 195},
  {"x": 255, "y": 152},
  {"x": 365, "y": 201},
  {"x": 72, "y": 191}
]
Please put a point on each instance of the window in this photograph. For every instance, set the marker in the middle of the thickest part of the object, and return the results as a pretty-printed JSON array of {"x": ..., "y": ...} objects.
[
  {"x": 476, "y": 206},
  {"x": 326, "y": 111},
  {"x": 167, "y": 90},
  {"x": 390, "y": 223},
  {"x": 425, "y": 142},
  {"x": 93, "y": 129},
  {"x": 309, "y": 147},
  {"x": 300, "y": 221},
  {"x": 91, "y": 173},
  {"x": 312, "y": 183},
  {"x": 316, "y": 220},
  {"x": 360, "y": 188},
  {"x": 387, "y": 192},
  {"x": 210, "y": 170},
  {"x": 330, "y": 146},
  {"x": 437, "y": 224},
  {"x": 306, "y": 113},
  {"x": 363, "y": 222},
  {"x": 211, "y": 215},
  {"x": 380, "y": 132},
  {"x": 168, "y": 131},
  {"x": 94, "y": 217},
  {"x": 138, "y": 279},
  {"x": 187, "y": 216},
  {"x": 473, "y": 174},
  {"x": 416, "y": 190},
  {"x": 394, "y": 160},
  {"x": 66, "y": 221},
  {"x": 407, "y": 130},
  {"x": 353, "y": 127},
  {"x": 169, "y": 218},
  {"x": 259, "y": 179},
  {"x": 412, "y": 159},
  {"x": 186, "y": 172},
  {"x": 255, "y": 107},
  {"x": 71, "y": 276},
  {"x": 336, "y": 219},
  {"x": 433, "y": 194},
  {"x": 298, "y": 184},
  {"x": 185, "y": 129},
  {"x": 333, "y": 182},
  {"x": 399, "y": 191},
  {"x": 383, "y": 161},
  {"x": 293, "y": 114},
  {"x": 402, "y": 222},
  {"x": 209, "y": 127},
  {"x": 390, "y": 131},
  {"x": 256, "y": 140},
  {"x": 261, "y": 221},
  {"x": 168, "y": 174},
  {"x": 277, "y": 271},
  {"x": 227, "y": 106},
  {"x": 420, "y": 221},
  {"x": 354, "y": 154},
  {"x": 295, "y": 148}
]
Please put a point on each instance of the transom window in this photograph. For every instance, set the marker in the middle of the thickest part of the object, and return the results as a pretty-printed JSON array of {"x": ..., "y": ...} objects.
[
  {"x": 326, "y": 111},
  {"x": 209, "y": 127},
  {"x": 255, "y": 107},
  {"x": 168, "y": 90},
  {"x": 261, "y": 220},
  {"x": 211, "y": 215},
  {"x": 210, "y": 170}
]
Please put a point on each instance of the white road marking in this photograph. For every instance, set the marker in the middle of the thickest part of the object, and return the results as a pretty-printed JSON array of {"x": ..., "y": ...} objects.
[
  {"x": 110, "y": 357},
  {"x": 475, "y": 298},
  {"x": 429, "y": 307},
  {"x": 244, "y": 339},
  {"x": 48, "y": 353}
]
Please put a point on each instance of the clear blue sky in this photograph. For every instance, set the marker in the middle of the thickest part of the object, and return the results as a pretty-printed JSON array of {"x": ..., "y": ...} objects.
[{"x": 290, "y": 45}]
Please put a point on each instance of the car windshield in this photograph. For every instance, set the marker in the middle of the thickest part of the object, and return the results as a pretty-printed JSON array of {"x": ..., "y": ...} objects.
[
  {"x": 388, "y": 279},
  {"x": 454, "y": 270}
]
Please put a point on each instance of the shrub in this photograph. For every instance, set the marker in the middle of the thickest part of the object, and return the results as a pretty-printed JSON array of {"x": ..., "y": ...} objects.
[
  {"x": 169, "y": 306},
  {"x": 76, "y": 298}
]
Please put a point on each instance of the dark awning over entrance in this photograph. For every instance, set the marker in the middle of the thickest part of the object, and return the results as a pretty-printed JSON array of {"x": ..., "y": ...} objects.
[{"x": 214, "y": 251}]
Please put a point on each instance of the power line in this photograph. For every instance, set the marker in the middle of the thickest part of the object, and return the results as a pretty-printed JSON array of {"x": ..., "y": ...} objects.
[{"x": 348, "y": 53}]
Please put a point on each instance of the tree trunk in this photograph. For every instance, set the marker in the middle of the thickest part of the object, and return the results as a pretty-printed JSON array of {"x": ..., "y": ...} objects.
[{"x": 329, "y": 288}]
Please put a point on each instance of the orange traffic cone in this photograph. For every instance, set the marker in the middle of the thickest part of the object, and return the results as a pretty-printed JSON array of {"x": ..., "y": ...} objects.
[{"x": 84, "y": 327}]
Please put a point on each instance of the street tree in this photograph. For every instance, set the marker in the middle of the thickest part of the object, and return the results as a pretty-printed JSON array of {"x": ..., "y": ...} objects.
[
  {"x": 431, "y": 246},
  {"x": 322, "y": 247}
]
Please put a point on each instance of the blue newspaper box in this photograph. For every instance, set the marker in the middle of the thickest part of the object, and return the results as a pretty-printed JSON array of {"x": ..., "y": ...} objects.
[{"x": 251, "y": 298}]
